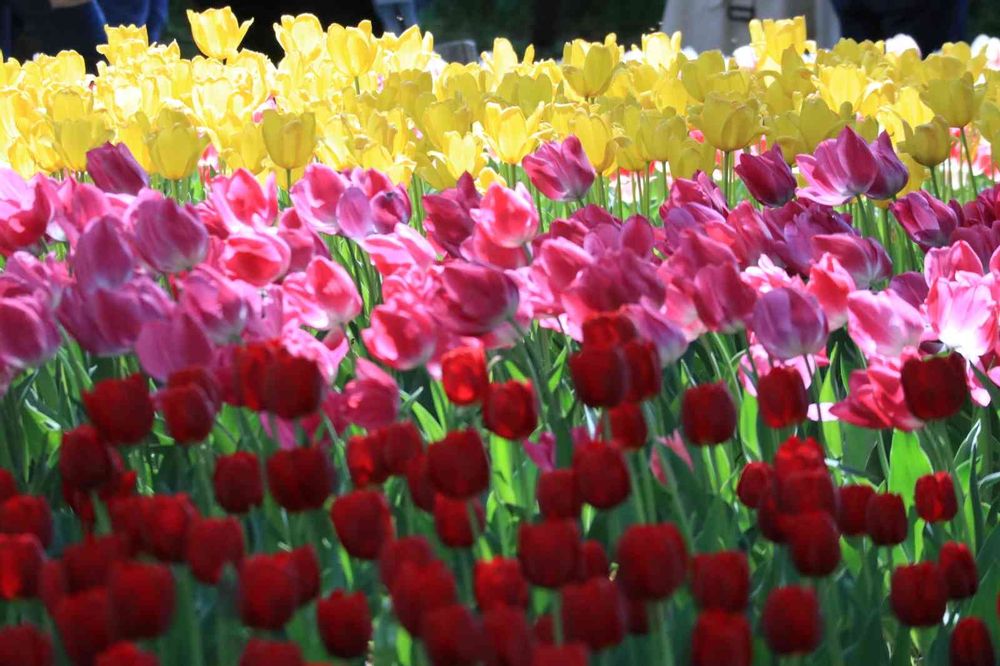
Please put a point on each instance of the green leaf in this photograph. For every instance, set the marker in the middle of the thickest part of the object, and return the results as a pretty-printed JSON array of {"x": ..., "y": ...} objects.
[
  {"x": 907, "y": 463},
  {"x": 748, "y": 425},
  {"x": 430, "y": 426},
  {"x": 831, "y": 429}
]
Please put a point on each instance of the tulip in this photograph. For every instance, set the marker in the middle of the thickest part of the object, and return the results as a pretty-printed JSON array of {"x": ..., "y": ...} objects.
[
  {"x": 789, "y": 324},
  {"x": 593, "y": 561},
  {"x": 600, "y": 376},
  {"x": 161, "y": 521},
  {"x": 473, "y": 300},
  {"x": 558, "y": 494},
  {"x": 217, "y": 32},
  {"x": 767, "y": 177},
  {"x": 507, "y": 217},
  {"x": 175, "y": 147},
  {"x": 891, "y": 174},
  {"x": 334, "y": 290},
  {"x": 261, "y": 652},
  {"x": 934, "y": 495},
  {"x": 418, "y": 481},
  {"x": 727, "y": 122},
  {"x": 27, "y": 514},
  {"x": 885, "y": 519},
  {"x": 601, "y": 474},
  {"x": 21, "y": 558},
  {"x": 406, "y": 550},
  {"x": 508, "y": 635},
  {"x": 126, "y": 654},
  {"x": 588, "y": 66},
  {"x": 628, "y": 426},
  {"x": 304, "y": 566},
  {"x": 814, "y": 542},
  {"x": 863, "y": 258},
  {"x": 84, "y": 624},
  {"x": 458, "y": 522},
  {"x": 268, "y": 592},
  {"x": 353, "y": 49},
  {"x": 953, "y": 99},
  {"x": 453, "y": 635},
  {"x": 363, "y": 523},
  {"x": 510, "y": 409},
  {"x": 212, "y": 544},
  {"x": 928, "y": 144},
  {"x": 883, "y": 324},
  {"x": 290, "y": 138},
  {"x": 345, "y": 623},
  {"x": 791, "y": 620},
  {"x": 300, "y": 479},
  {"x": 853, "y": 508},
  {"x": 927, "y": 221},
  {"x": 840, "y": 169},
  {"x": 457, "y": 465},
  {"x": 499, "y": 582},
  {"x": 721, "y": 581},
  {"x": 782, "y": 397},
  {"x": 755, "y": 482},
  {"x": 652, "y": 561},
  {"x": 569, "y": 654},
  {"x": 26, "y": 645},
  {"x": 549, "y": 552},
  {"x": 560, "y": 171},
  {"x": 918, "y": 594},
  {"x": 935, "y": 388},
  {"x": 708, "y": 415},
  {"x": 970, "y": 644},
  {"x": 401, "y": 334},
  {"x": 958, "y": 566},
  {"x": 831, "y": 285},
  {"x": 364, "y": 460},
  {"x": 293, "y": 386},
  {"x": 84, "y": 459},
  {"x": 113, "y": 169},
  {"x": 593, "y": 613},
  {"x": 189, "y": 413},
  {"x": 142, "y": 599},
  {"x": 464, "y": 375},
  {"x": 721, "y": 638},
  {"x": 805, "y": 491},
  {"x": 237, "y": 482},
  {"x": 723, "y": 299},
  {"x": 418, "y": 589},
  {"x": 8, "y": 485},
  {"x": 120, "y": 409},
  {"x": 645, "y": 374}
]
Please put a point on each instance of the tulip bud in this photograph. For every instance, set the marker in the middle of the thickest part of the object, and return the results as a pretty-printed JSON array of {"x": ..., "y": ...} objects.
[
  {"x": 756, "y": 480},
  {"x": 84, "y": 459},
  {"x": 891, "y": 174},
  {"x": 418, "y": 589},
  {"x": 628, "y": 426},
  {"x": 549, "y": 552},
  {"x": 558, "y": 494},
  {"x": 237, "y": 482},
  {"x": 791, "y": 620},
  {"x": 935, "y": 388},
  {"x": 345, "y": 624},
  {"x": 928, "y": 144},
  {"x": 652, "y": 561},
  {"x": 601, "y": 376},
  {"x": 782, "y": 397},
  {"x": 560, "y": 171},
  {"x": 721, "y": 581},
  {"x": 453, "y": 635},
  {"x": 120, "y": 409},
  {"x": 885, "y": 519},
  {"x": 300, "y": 479},
  {"x": 189, "y": 413},
  {"x": 212, "y": 544},
  {"x": 364, "y": 460},
  {"x": 453, "y": 522},
  {"x": 934, "y": 495},
  {"x": 971, "y": 644},
  {"x": 708, "y": 415},
  {"x": 217, "y": 32},
  {"x": 814, "y": 543},
  {"x": 84, "y": 624},
  {"x": 113, "y": 169},
  {"x": 601, "y": 474},
  {"x": 508, "y": 635},
  {"x": 721, "y": 638},
  {"x": 510, "y": 409},
  {"x": 406, "y": 550},
  {"x": 268, "y": 592},
  {"x": 21, "y": 558},
  {"x": 789, "y": 324},
  {"x": 499, "y": 582},
  {"x": 767, "y": 177},
  {"x": 959, "y": 569},
  {"x": 853, "y": 508},
  {"x": 142, "y": 599},
  {"x": 918, "y": 594},
  {"x": 290, "y": 138},
  {"x": 363, "y": 522},
  {"x": 457, "y": 465},
  {"x": 27, "y": 514},
  {"x": 593, "y": 613},
  {"x": 464, "y": 375},
  {"x": 25, "y": 645}
]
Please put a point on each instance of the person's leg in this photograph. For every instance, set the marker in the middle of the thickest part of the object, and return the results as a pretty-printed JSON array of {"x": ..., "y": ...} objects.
[
  {"x": 388, "y": 16},
  {"x": 156, "y": 24},
  {"x": 928, "y": 21},
  {"x": 125, "y": 12},
  {"x": 857, "y": 21},
  {"x": 78, "y": 27},
  {"x": 5, "y": 29}
]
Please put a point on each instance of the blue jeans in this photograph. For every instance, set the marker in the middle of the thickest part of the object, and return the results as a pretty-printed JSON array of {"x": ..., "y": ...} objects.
[
  {"x": 150, "y": 13},
  {"x": 49, "y": 30}
]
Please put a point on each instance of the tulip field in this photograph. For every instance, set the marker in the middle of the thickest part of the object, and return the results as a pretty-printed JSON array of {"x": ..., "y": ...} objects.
[{"x": 641, "y": 356}]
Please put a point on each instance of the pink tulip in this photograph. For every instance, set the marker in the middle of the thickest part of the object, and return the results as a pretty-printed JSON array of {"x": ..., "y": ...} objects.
[
  {"x": 473, "y": 300},
  {"x": 637, "y": 234},
  {"x": 700, "y": 190},
  {"x": 25, "y": 211},
  {"x": 911, "y": 287},
  {"x": 724, "y": 301},
  {"x": 864, "y": 258},
  {"x": 302, "y": 240},
  {"x": 400, "y": 250},
  {"x": 951, "y": 261},
  {"x": 767, "y": 177},
  {"x": 316, "y": 196},
  {"x": 257, "y": 258},
  {"x": 448, "y": 220},
  {"x": 875, "y": 398},
  {"x": 45, "y": 279},
  {"x": 654, "y": 326},
  {"x": 481, "y": 249},
  {"x": 891, "y": 174},
  {"x": 883, "y": 324},
  {"x": 167, "y": 345},
  {"x": 675, "y": 443},
  {"x": 789, "y": 324},
  {"x": 401, "y": 334},
  {"x": 168, "y": 237},
  {"x": 102, "y": 258},
  {"x": 616, "y": 278},
  {"x": 107, "y": 322},
  {"x": 561, "y": 261},
  {"x": 841, "y": 169},
  {"x": 326, "y": 353},
  {"x": 113, "y": 169},
  {"x": 371, "y": 399},
  {"x": 354, "y": 214},
  {"x": 28, "y": 333},
  {"x": 391, "y": 207},
  {"x": 240, "y": 200},
  {"x": 334, "y": 290},
  {"x": 508, "y": 217},
  {"x": 963, "y": 315},
  {"x": 216, "y": 303},
  {"x": 927, "y": 221},
  {"x": 831, "y": 284},
  {"x": 560, "y": 171}
]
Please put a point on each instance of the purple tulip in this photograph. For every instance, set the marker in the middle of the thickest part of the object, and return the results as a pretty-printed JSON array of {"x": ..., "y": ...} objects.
[
  {"x": 115, "y": 170},
  {"x": 767, "y": 177},
  {"x": 561, "y": 171},
  {"x": 891, "y": 175},
  {"x": 841, "y": 169},
  {"x": 789, "y": 324}
]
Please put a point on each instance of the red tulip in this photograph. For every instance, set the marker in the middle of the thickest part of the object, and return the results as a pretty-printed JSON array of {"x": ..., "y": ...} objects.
[
  {"x": 363, "y": 522},
  {"x": 25, "y": 645},
  {"x": 464, "y": 375},
  {"x": 605, "y": 330},
  {"x": 364, "y": 460},
  {"x": 293, "y": 386},
  {"x": 593, "y": 613},
  {"x": 549, "y": 552},
  {"x": 721, "y": 581},
  {"x": 644, "y": 370},
  {"x": 84, "y": 624},
  {"x": 84, "y": 459},
  {"x": 237, "y": 482},
  {"x": 412, "y": 550},
  {"x": 853, "y": 508},
  {"x": 593, "y": 562},
  {"x": 27, "y": 514},
  {"x": 756, "y": 480},
  {"x": 8, "y": 486},
  {"x": 401, "y": 443},
  {"x": 120, "y": 409},
  {"x": 510, "y": 409},
  {"x": 418, "y": 589},
  {"x": 453, "y": 522},
  {"x": 628, "y": 426},
  {"x": 799, "y": 455},
  {"x": 782, "y": 397},
  {"x": 885, "y": 519},
  {"x": 160, "y": 524},
  {"x": 652, "y": 561},
  {"x": 212, "y": 544},
  {"x": 601, "y": 474},
  {"x": 959, "y": 569},
  {"x": 453, "y": 636},
  {"x": 84, "y": 566},
  {"x": 260, "y": 652},
  {"x": 418, "y": 481},
  {"x": 919, "y": 594},
  {"x": 935, "y": 497},
  {"x": 508, "y": 636},
  {"x": 126, "y": 654},
  {"x": 457, "y": 465},
  {"x": 188, "y": 411},
  {"x": 936, "y": 387},
  {"x": 568, "y": 654},
  {"x": 300, "y": 479},
  {"x": 304, "y": 567},
  {"x": 637, "y": 617},
  {"x": 268, "y": 592},
  {"x": 814, "y": 542},
  {"x": 601, "y": 376},
  {"x": 970, "y": 644},
  {"x": 767, "y": 177},
  {"x": 499, "y": 582},
  {"x": 791, "y": 620},
  {"x": 805, "y": 491},
  {"x": 708, "y": 414},
  {"x": 770, "y": 519},
  {"x": 345, "y": 624},
  {"x": 558, "y": 494},
  {"x": 142, "y": 599},
  {"x": 721, "y": 638}
]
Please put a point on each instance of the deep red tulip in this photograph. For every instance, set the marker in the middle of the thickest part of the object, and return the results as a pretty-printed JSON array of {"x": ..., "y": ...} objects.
[
  {"x": 251, "y": 365},
  {"x": 402, "y": 443},
  {"x": 959, "y": 569},
  {"x": 156, "y": 524},
  {"x": 770, "y": 519},
  {"x": 418, "y": 589},
  {"x": 303, "y": 564},
  {"x": 593, "y": 612},
  {"x": 453, "y": 636},
  {"x": 142, "y": 599},
  {"x": 126, "y": 654},
  {"x": 212, "y": 544},
  {"x": 605, "y": 330},
  {"x": 645, "y": 371},
  {"x": 84, "y": 459},
  {"x": 464, "y": 375},
  {"x": 363, "y": 522},
  {"x": 637, "y": 617},
  {"x": 559, "y": 494},
  {"x": 852, "y": 514},
  {"x": 418, "y": 482},
  {"x": 508, "y": 636},
  {"x": 457, "y": 465},
  {"x": 268, "y": 592},
  {"x": 791, "y": 620},
  {"x": 782, "y": 397},
  {"x": 601, "y": 376},
  {"x": 453, "y": 521},
  {"x": 799, "y": 455},
  {"x": 84, "y": 624},
  {"x": 708, "y": 414},
  {"x": 27, "y": 514},
  {"x": 293, "y": 386},
  {"x": 120, "y": 409},
  {"x": 652, "y": 561},
  {"x": 885, "y": 519},
  {"x": 971, "y": 644},
  {"x": 510, "y": 409},
  {"x": 601, "y": 474},
  {"x": 499, "y": 582},
  {"x": 919, "y": 594},
  {"x": 21, "y": 558},
  {"x": 767, "y": 177},
  {"x": 364, "y": 460},
  {"x": 25, "y": 645},
  {"x": 628, "y": 426},
  {"x": 203, "y": 378},
  {"x": 593, "y": 561},
  {"x": 721, "y": 638},
  {"x": 8, "y": 485},
  {"x": 814, "y": 542},
  {"x": 300, "y": 479},
  {"x": 756, "y": 480},
  {"x": 237, "y": 482},
  {"x": 414, "y": 550},
  {"x": 567, "y": 654},
  {"x": 188, "y": 411},
  {"x": 345, "y": 623},
  {"x": 549, "y": 552},
  {"x": 936, "y": 387},
  {"x": 721, "y": 581},
  {"x": 260, "y": 652},
  {"x": 85, "y": 565},
  {"x": 806, "y": 491},
  {"x": 934, "y": 495}
]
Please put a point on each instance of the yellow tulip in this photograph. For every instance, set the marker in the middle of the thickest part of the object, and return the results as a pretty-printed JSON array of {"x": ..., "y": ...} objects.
[
  {"x": 697, "y": 75},
  {"x": 352, "y": 50},
  {"x": 302, "y": 35},
  {"x": 76, "y": 137},
  {"x": 125, "y": 43},
  {"x": 245, "y": 149},
  {"x": 661, "y": 50},
  {"x": 955, "y": 100},
  {"x": 928, "y": 144},
  {"x": 688, "y": 156},
  {"x": 175, "y": 146},
  {"x": 988, "y": 123},
  {"x": 290, "y": 138},
  {"x": 728, "y": 123},
  {"x": 588, "y": 67},
  {"x": 217, "y": 32},
  {"x": 509, "y": 133},
  {"x": 596, "y": 138},
  {"x": 771, "y": 38}
]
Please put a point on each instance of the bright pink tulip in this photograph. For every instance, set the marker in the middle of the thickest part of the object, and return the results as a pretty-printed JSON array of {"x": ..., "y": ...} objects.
[
  {"x": 448, "y": 218},
  {"x": 724, "y": 301},
  {"x": 963, "y": 315},
  {"x": 767, "y": 176},
  {"x": 950, "y": 261},
  {"x": 473, "y": 300},
  {"x": 927, "y": 221},
  {"x": 77, "y": 205},
  {"x": 25, "y": 211},
  {"x": 354, "y": 214},
  {"x": 334, "y": 290},
  {"x": 102, "y": 258},
  {"x": 401, "y": 334},
  {"x": 481, "y": 249},
  {"x": 219, "y": 305},
  {"x": 864, "y": 258},
  {"x": 841, "y": 169},
  {"x": 371, "y": 399},
  {"x": 831, "y": 284},
  {"x": 616, "y": 278},
  {"x": 107, "y": 322},
  {"x": 883, "y": 324},
  {"x": 789, "y": 323},
  {"x": 302, "y": 240},
  {"x": 170, "y": 238},
  {"x": 402, "y": 249},
  {"x": 316, "y": 195},
  {"x": 241, "y": 200},
  {"x": 391, "y": 207},
  {"x": 169, "y": 345},
  {"x": 113, "y": 169},
  {"x": 891, "y": 174},
  {"x": 560, "y": 171},
  {"x": 875, "y": 398},
  {"x": 562, "y": 260},
  {"x": 257, "y": 258},
  {"x": 508, "y": 217},
  {"x": 28, "y": 332}
]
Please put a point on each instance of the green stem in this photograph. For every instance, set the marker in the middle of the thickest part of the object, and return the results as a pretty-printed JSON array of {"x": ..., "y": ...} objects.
[{"x": 968, "y": 157}]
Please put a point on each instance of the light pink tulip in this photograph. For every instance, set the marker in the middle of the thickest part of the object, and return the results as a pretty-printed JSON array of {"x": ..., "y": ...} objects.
[
  {"x": 507, "y": 216},
  {"x": 875, "y": 398},
  {"x": 316, "y": 195},
  {"x": 789, "y": 324},
  {"x": 963, "y": 315},
  {"x": 560, "y": 170},
  {"x": 240, "y": 200},
  {"x": 883, "y": 324},
  {"x": 334, "y": 290},
  {"x": 220, "y": 306},
  {"x": 402, "y": 249},
  {"x": 371, "y": 399},
  {"x": 948, "y": 262},
  {"x": 354, "y": 214},
  {"x": 170, "y": 238}
]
